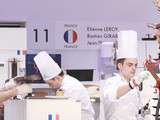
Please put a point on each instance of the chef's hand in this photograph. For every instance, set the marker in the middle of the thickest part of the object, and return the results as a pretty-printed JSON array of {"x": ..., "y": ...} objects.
[
  {"x": 10, "y": 84},
  {"x": 137, "y": 80},
  {"x": 24, "y": 89},
  {"x": 134, "y": 82}
]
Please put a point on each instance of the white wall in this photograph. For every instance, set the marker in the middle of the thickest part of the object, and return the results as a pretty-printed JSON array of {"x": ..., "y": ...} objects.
[
  {"x": 12, "y": 41},
  {"x": 13, "y": 38}
]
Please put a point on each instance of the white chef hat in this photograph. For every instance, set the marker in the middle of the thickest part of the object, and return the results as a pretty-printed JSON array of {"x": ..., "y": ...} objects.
[
  {"x": 127, "y": 44},
  {"x": 46, "y": 65}
]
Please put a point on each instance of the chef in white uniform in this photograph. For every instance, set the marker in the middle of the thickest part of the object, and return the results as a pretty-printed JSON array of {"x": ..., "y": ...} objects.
[
  {"x": 121, "y": 98},
  {"x": 54, "y": 77}
]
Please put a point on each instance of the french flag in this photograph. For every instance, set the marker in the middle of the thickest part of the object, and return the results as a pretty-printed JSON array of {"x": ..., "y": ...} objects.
[
  {"x": 53, "y": 117},
  {"x": 70, "y": 36}
]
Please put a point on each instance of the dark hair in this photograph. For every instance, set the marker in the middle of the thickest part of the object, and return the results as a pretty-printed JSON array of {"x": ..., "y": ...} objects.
[
  {"x": 61, "y": 73},
  {"x": 119, "y": 61}
]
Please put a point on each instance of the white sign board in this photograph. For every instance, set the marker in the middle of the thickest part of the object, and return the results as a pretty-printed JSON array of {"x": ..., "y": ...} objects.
[{"x": 71, "y": 35}]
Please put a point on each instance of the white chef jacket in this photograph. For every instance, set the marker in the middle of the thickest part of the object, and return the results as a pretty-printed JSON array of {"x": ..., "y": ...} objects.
[
  {"x": 74, "y": 89},
  {"x": 124, "y": 108}
]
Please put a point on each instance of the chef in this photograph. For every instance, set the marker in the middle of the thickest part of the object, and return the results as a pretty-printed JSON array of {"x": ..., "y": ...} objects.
[
  {"x": 121, "y": 98},
  {"x": 55, "y": 77}
]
